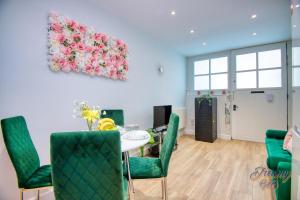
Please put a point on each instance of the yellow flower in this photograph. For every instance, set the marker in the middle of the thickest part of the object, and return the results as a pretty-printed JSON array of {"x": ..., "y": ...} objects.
[{"x": 90, "y": 115}]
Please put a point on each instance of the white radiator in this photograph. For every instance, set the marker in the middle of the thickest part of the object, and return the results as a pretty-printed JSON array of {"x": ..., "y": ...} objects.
[{"x": 181, "y": 112}]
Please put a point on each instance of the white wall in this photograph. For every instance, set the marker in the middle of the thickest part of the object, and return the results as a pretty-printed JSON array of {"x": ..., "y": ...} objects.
[{"x": 29, "y": 88}]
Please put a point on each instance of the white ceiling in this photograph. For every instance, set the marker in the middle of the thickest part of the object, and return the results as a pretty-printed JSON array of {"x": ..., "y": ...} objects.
[{"x": 222, "y": 24}]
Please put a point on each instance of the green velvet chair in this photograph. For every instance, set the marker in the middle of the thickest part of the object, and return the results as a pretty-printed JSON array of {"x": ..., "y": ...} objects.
[
  {"x": 279, "y": 161},
  {"x": 87, "y": 165},
  {"x": 116, "y": 114},
  {"x": 24, "y": 157},
  {"x": 151, "y": 168}
]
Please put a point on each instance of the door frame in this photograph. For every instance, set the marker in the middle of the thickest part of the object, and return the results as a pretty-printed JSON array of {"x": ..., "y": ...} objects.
[{"x": 284, "y": 74}]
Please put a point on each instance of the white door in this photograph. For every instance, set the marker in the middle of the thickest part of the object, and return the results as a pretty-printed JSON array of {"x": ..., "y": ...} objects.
[{"x": 260, "y": 92}]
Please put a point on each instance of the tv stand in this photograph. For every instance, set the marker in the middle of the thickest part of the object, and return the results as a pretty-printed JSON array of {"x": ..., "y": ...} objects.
[{"x": 159, "y": 134}]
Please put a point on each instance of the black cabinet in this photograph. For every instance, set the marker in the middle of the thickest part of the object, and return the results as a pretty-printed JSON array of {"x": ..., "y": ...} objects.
[{"x": 206, "y": 119}]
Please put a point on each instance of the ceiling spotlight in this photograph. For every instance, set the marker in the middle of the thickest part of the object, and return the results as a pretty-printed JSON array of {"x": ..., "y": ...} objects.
[
  {"x": 297, "y": 5},
  {"x": 173, "y": 12},
  {"x": 192, "y": 31},
  {"x": 254, "y": 34},
  {"x": 254, "y": 16},
  {"x": 204, "y": 43},
  {"x": 294, "y": 26}
]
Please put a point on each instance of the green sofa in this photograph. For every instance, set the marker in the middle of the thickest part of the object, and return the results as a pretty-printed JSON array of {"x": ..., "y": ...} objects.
[{"x": 279, "y": 161}]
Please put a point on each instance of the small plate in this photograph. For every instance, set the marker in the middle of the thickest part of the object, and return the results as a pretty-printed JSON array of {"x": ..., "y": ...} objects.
[{"x": 136, "y": 135}]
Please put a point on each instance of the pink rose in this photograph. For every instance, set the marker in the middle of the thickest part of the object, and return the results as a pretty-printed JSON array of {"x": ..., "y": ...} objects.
[
  {"x": 82, "y": 28},
  {"x": 97, "y": 36},
  {"x": 104, "y": 54},
  {"x": 73, "y": 45},
  {"x": 60, "y": 38},
  {"x": 120, "y": 43},
  {"x": 97, "y": 70},
  {"x": 125, "y": 68},
  {"x": 76, "y": 37},
  {"x": 62, "y": 62},
  {"x": 105, "y": 38},
  {"x": 67, "y": 51},
  {"x": 113, "y": 73},
  {"x": 71, "y": 24},
  {"x": 56, "y": 27},
  {"x": 73, "y": 66},
  {"x": 80, "y": 46},
  {"x": 89, "y": 49}
]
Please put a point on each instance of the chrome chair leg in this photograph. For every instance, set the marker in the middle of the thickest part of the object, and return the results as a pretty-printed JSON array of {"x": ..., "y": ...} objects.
[
  {"x": 21, "y": 194},
  {"x": 163, "y": 188},
  {"x": 166, "y": 188},
  {"x": 38, "y": 194}
]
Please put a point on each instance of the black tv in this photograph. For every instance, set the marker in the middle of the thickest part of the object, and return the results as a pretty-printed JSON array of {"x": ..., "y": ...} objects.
[{"x": 161, "y": 115}]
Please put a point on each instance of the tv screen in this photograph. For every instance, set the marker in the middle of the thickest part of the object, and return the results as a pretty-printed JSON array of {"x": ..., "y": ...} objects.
[{"x": 161, "y": 115}]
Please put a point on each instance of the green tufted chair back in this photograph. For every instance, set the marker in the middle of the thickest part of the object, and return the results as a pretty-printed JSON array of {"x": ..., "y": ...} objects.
[
  {"x": 169, "y": 142},
  {"x": 20, "y": 148},
  {"x": 116, "y": 114},
  {"x": 87, "y": 165}
]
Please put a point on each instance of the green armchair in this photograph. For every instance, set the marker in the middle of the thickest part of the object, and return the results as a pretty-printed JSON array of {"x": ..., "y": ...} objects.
[
  {"x": 31, "y": 176},
  {"x": 116, "y": 114},
  {"x": 279, "y": 161},
  {"x": 149, "y": 168},
  {"x": 87, "y": 165}
]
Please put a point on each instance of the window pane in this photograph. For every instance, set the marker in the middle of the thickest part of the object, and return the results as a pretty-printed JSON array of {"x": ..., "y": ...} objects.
[
  {"x": 201, "y": 83},
  {"x": 269, "y": 78},
  {"x": 219, "y": 81},
  {"x": 201, "y": 67},
  {"x": 296, "y": 77},
  {"x": 246, "y": 62},
  {"x": 296, "y": 56},
  {"x": 269, "y": 59},
  {"x": 219, "y": 65},
  {"x": 246, "y": 80}
]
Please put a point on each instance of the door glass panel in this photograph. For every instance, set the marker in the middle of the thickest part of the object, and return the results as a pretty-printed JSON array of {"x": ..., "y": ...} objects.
[
  {"x": 201, "y": 67},
  {"x": 219, "y": 65},
  {"x": 201, "y": 82},
  {"x": 246, "y": 80},
  {"x": 246, "y": 62},
  {"x": 219, "y": 81},
  {"x": 296, "y": 56},
  {"x": 269, "y": 59},
  {"x": 296, "y": 77},
  {"x": 269, "y": 78}
]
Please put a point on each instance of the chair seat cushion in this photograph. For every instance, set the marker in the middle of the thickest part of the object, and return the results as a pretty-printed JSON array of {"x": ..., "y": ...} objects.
[
  {"x": 276, "y": 153},
  {"x": 143, "y": 168},
  {"x": 40, "y": 178}
]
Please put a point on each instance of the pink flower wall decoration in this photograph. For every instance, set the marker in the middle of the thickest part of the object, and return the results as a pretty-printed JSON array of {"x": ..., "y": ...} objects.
[{"x": 75, "y": 47}]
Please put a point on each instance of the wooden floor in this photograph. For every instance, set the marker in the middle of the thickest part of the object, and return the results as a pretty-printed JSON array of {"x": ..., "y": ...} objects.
[{"x": 200, "y": 170}]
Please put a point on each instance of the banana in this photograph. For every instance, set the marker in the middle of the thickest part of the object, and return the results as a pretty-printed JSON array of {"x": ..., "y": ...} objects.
[
  {"x": 107, "y": 120},
  {"x": 106, "y": 124}
]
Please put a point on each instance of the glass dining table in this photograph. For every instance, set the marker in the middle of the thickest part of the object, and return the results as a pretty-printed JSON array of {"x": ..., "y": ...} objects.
[{"x": 131, "y": 140}]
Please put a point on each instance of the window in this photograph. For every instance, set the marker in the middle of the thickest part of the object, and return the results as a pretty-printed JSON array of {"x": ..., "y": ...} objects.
[
  {"x": 246, "y": 80},
  {"x": 259, "y": 70},
  {"x": 269, "y": 59},
  {"x": 269, "y": 78},
  {"x": 296, "y": 66},
  {"x": 211, "y": 74},
  {"x": 201, "y": 67},
  {"x": 246, "y": 62},
  {"x": 296, "y": 77}
]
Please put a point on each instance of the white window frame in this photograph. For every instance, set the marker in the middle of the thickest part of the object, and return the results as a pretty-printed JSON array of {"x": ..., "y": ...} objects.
[
  {"x": 209, "y": 57},
  {"x": 294, "y": 67},
  {"x": 256, "y": 50}
]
